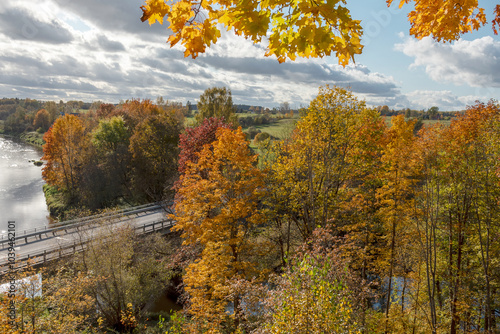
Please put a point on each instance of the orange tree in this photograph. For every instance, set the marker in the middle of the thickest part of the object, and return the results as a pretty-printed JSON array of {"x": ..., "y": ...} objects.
[
  {"x": 67, "y": 143},
  {"x": 217, "y": 208}
]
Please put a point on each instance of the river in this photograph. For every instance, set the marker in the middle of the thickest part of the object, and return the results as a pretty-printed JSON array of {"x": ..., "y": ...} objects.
[{"x": 21, "y": 194}]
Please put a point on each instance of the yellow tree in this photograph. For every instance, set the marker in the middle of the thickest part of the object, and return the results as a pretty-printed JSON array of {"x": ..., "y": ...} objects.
[
  {"x": 396, "y": 193},
  {"x": 311, "y": 173},
  {"x": 310, "y": 298},
  {"x": 217, "y": 208}
]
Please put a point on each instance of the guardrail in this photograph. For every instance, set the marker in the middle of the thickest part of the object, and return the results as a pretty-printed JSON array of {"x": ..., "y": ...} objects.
[
  {"x": 57, "y": 252},
  {"x": 76, "y": 223}
]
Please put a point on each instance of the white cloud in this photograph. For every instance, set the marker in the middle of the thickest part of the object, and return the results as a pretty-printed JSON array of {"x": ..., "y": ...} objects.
[
  {"x": 445, "y": 100},
  {"x": 475, "y": 63}
]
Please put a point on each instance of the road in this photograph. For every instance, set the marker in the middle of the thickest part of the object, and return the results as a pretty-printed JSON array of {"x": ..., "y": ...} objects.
[{"x": 67, "y": 238}]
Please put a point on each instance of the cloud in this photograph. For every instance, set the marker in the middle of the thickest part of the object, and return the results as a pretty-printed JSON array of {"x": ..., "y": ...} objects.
[
  {"x": 109, "y": 45},
  {"x": 20, "y": 24},
  {"x": 114, "y": 15},
  {"x": 445, "y": 100},
  {"x": 474, "y": 63}
]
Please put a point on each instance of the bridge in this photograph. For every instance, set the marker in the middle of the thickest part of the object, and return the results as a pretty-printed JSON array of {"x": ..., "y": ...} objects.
[{"x": 46, "y": 243}]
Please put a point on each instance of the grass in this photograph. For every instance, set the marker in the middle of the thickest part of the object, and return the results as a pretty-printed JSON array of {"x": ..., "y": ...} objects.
[
  {"x": 281, "y": 129},
  {"x": 33, "y": 138}
]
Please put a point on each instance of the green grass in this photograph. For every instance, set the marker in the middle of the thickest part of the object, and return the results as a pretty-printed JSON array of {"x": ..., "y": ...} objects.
[
  {"x": 432, "y": 122},
  {"x": 33, "y": 138},
  {"x": 281, "y": 129}
]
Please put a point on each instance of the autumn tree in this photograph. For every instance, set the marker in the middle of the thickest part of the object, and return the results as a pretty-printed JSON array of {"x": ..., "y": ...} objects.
[
  {"x": 216, "y": 102},
  {"x": 125, "y": 271},
  {"x": 193, "y": 140},
  {"x": 311, "y": 171},
  {"x": 219, "y": 213},
  {"x": 52, "y": 109},
  {"x": 395, "y": 197},
  {"x": 104, "y": 110},
  {"x": 42, "y": 120},
  {"x": 133, "y": 112},
  {"x": 67, "y": 142},
  {"x": 310, "y": 297},
  {"x": 456, "y": 217}
]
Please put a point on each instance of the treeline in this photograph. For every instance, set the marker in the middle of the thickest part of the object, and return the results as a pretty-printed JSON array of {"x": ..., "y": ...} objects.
[
  {"x": 432, "y": 113},
  {"x": 347, "y": 226},
  {"x": 26, "y": 115}
]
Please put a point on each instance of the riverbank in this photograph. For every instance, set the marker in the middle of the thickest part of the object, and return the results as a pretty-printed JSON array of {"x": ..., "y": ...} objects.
[{"x": 32, "y": 138}]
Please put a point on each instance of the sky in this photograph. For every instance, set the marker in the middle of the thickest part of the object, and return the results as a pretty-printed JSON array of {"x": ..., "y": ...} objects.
[{"x": 100, "y": 50}]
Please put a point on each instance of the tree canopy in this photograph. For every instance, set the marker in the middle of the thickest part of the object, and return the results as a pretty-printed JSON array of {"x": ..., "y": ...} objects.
[{"x": 304, "y": 28}]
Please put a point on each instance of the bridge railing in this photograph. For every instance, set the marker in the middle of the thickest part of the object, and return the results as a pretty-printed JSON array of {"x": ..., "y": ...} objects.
[
  {"x": 103, "y": 215},
  {"x": 57, "y": 252},
  {"x": 76, "y": 223}
]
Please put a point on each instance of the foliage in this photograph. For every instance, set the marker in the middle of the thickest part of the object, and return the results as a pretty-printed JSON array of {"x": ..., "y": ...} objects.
[
  {"x": 303, "y": 28},
  {"x": 308, "y": 298},
  {"x": 310, "y": 172},
  {"x": 126, "y": 274},
  {"x": 154, "y": 149},
  {"x": 262, "y": 136},
  {"x": 217, "y": 208},
  {"x": 64, "y": 306},
  {"x": 192, "y": 141},
  {"x": 216, "y": 102},
  {"x": 42, "y": 120},
  {"x": 446, "y": 20},
  {"x": 108, "y": 176},
  {"x": 67, "y": 144}
]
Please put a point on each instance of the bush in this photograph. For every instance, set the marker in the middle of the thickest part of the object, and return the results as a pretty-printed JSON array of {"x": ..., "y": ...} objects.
[
  {"x": 252, "y": 132},
  {"x": 260, "y": 137}
]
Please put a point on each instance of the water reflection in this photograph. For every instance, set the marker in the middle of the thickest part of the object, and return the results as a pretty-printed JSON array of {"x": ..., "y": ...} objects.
[{"x": 21, "y": 194}]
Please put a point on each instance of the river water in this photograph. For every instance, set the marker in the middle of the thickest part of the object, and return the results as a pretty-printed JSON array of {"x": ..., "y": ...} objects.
[{"x": 21, "y": 194}]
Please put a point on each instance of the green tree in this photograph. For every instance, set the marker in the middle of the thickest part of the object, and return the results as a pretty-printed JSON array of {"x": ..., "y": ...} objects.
[
  {"x": 216, "y": 102},
  {"x": 108, "y": 178},
  {"x": 154, "y": 146}
]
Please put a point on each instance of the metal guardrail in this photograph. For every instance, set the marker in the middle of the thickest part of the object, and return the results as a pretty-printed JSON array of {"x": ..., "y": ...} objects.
[
  {"x": 76, "y": 223},
  {"x": 88, "y": 218},
  {"x": 57, "y": 252}
]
